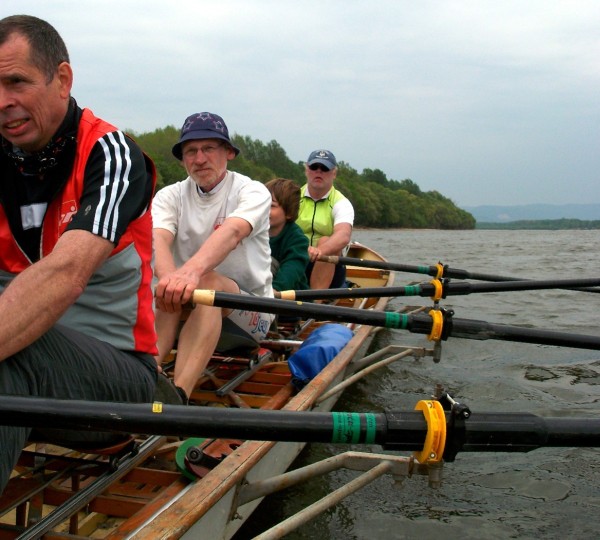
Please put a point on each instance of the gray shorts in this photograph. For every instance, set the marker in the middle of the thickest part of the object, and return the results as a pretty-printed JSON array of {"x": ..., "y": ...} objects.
[{"x": 67, "y": 364}]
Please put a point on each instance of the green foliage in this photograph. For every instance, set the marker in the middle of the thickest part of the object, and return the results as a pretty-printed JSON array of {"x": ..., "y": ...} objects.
[
  {"x": 408, "y": 185},
  {"x": 375, "y": 175},
  {"x": 378, "y": 201},
  {"x": 271, "y": 155},
  {"x": 158, "y": 144}
]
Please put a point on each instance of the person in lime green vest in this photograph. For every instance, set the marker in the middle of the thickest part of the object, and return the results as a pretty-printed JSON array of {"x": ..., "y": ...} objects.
[{"x": 326, "y": 217}]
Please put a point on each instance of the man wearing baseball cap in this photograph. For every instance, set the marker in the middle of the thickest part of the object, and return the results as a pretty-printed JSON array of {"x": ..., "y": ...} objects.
[
  {"x": 211, "y": 231},
  {"x": 326, "y": 216}
]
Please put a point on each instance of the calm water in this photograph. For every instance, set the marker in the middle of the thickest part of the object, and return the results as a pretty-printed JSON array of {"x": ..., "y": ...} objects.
[{"x": 547, "y": 493}]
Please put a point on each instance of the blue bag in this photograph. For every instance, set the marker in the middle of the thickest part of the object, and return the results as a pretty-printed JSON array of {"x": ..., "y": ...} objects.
[{"x": 317, "y": 351}]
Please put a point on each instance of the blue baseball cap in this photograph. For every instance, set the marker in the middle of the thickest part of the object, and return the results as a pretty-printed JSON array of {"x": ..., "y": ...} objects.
[
  {"x": 324, "y": 157},
  {"x": 203, "y": 125}
]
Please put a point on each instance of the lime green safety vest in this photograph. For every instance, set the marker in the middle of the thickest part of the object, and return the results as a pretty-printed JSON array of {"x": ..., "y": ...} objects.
[{"x": 315, "y": 218}]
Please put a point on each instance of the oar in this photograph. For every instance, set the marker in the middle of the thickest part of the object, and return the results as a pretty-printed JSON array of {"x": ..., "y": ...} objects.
[
  {"x": 433, "y": 325},
  {"x": 480, "y": 432},
  {"x": 432, "y": 289},
  {"x": 439, "y": 270}
]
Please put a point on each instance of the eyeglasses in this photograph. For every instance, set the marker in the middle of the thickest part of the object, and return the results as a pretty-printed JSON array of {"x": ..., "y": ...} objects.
[
  {"x": 206, "y": 150},
  {"x": 318, "y": 167}
]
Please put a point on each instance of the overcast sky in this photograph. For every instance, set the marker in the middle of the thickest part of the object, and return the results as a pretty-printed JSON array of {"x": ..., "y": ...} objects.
[{"x": 486, "y": 102}]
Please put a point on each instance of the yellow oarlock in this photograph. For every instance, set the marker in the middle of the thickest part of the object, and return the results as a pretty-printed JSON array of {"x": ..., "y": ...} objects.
[
  {"x": 437, "y": 284},
  {"x": 437, "y": 325},
  {"x": 435, "y": 441}
]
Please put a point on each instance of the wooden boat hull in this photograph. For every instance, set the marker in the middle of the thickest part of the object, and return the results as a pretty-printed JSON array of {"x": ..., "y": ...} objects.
[{"x": 210, "y": 507}]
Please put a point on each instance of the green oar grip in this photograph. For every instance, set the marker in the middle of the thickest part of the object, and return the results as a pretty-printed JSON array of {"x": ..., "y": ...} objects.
[{"x": 396, "y": 320}]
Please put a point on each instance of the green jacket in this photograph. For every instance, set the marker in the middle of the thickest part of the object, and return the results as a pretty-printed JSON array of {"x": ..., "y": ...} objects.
[{"x": 290, "y": 249}]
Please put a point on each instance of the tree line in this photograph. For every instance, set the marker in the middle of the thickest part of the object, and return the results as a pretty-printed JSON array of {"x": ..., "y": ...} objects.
[{"x": 378, "y": 201}]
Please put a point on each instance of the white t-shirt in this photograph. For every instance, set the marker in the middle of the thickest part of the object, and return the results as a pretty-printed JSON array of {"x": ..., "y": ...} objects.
[{"x": 191, "y": 217}]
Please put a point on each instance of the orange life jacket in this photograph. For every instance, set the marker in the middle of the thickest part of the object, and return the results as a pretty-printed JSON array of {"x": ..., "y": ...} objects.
[{"x": 116, "y": 305}]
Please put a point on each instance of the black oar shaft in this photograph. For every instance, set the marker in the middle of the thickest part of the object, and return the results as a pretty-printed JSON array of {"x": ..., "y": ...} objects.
[
  {"x": 523, "y": 285},
  {"x": 482, "y": 432},
  {"x": 285, "y": 307},
  {"x": 435, "y": 271},
  {"x": 417, "y": 324},
  {"x": 163, "y": 419},
  {"x": 383, "y": 265},
  {"x": 513, "y": 432},
  {"x": 448, "y": 289},
  {"x": 483, "y": 330}
]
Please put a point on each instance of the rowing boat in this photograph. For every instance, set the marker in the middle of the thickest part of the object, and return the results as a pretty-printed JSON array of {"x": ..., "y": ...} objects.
[
  {"x": 169, "y": 488},
  {"x": 157, "y": 485}
]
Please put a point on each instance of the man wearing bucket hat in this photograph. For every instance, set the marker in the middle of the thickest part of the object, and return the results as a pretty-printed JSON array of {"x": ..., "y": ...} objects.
[
  {"x": 326, "y": 216},
  {"x": 211, "y": 231}
]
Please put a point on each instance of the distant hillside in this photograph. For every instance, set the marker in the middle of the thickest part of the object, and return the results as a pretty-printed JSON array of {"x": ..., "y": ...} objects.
[
  {"x": 505, "y": 214},
  {"x": 542, "y": 224}
]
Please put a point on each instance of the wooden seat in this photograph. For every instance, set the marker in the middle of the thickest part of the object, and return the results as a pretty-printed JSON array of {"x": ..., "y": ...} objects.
[
  {"x": 118, "y": 444},
  {"x": 124, "y": 446}
]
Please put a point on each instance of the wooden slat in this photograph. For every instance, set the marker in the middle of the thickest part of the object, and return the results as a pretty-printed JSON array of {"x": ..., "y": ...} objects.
[{"x": 126, "y": 528}]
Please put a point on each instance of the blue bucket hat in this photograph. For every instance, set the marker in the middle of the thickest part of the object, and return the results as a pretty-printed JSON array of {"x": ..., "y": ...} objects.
[
  {"x": 324, "y": 157},
  {"x": 203, "y": 125}
]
